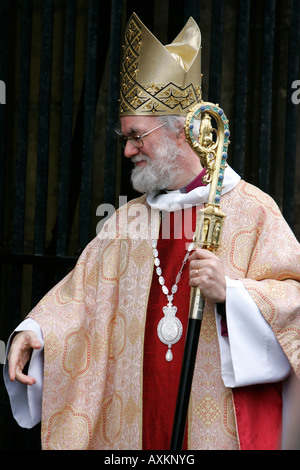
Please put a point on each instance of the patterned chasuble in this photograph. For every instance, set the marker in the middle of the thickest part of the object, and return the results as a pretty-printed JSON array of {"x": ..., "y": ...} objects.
[{"x": 93, "y": 323}]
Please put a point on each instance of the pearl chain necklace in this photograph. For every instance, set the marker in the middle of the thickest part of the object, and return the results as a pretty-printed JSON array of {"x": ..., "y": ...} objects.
[{"x": 169, "y": 329}]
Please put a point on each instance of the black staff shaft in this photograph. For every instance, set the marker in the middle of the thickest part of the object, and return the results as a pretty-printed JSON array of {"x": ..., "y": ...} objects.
[{"x": 186, "y": 378}]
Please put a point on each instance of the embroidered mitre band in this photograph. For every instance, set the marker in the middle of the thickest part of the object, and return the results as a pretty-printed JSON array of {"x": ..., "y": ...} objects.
[{"x": 157, "y": 79}]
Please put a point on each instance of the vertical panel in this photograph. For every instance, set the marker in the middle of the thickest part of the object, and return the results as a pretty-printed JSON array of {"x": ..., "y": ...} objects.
[
  {"x": 43, "y": 128},
  {"x": 293, "y": 73},
  {"x": 39, "y": 272},
  {"x": 80, "y": 133},
  {"x": 112, "y": 110},
  {"x": 89, "y": 122},
  {"x": 22, "y": 137},
  {"x": 66, "y": 128},
  {"x": 241, "y": 86},
  {"x": 215, "y": 70},
  {"x": 266, "y": 94},
  {"x": 21, "y": 161}
]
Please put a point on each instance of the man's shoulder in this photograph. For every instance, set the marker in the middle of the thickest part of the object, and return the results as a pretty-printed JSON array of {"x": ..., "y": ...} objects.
[{"x": 256, "y": 196}]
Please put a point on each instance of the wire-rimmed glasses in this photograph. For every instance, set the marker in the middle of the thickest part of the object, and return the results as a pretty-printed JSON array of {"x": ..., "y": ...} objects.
[{"x": 136, "y": 140}]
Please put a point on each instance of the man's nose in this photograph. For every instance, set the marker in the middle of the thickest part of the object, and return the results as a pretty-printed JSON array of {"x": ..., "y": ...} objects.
[{"x": 130, "y": 150}]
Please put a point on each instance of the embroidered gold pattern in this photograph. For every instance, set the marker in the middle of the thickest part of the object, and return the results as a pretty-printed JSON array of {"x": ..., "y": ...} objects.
[{"x": 208, "y": 410}]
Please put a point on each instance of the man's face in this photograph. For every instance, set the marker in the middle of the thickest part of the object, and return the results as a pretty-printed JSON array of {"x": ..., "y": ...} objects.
[{"x": 156, "y": 159}]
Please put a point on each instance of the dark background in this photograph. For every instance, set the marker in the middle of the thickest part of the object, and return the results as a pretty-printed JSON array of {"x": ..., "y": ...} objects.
[{"x": 59, "y": 157}]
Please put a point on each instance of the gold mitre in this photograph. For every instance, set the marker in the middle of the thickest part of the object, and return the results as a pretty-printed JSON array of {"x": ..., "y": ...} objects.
[{"x": 156, "y": 79}]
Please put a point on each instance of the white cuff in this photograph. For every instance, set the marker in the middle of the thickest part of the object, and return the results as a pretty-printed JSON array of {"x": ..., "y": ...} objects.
[
  {"x": 251, "y": 353},
  {"x": 26, "y": 400}
]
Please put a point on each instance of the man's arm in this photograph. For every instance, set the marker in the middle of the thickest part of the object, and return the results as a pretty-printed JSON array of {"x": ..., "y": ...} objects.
[{"x": 250, "y": 354}]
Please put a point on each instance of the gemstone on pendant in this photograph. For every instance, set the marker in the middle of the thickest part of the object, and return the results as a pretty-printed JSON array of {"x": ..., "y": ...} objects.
[{"x": 169, "y": 355}]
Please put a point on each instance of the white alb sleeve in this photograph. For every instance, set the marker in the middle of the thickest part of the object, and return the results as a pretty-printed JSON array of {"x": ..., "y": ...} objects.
[
  {"x": 26, "y": 400},
  {"x": 251, "y": 353}
]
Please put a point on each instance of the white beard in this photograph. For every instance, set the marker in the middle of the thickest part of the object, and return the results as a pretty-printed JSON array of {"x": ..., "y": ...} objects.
[{"x": 160, "y": 173}]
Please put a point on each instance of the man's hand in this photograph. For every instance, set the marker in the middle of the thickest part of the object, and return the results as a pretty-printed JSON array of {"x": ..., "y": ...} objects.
[
  {"x": 206, "y": 272},
  {"x": 19, "y": 355}
]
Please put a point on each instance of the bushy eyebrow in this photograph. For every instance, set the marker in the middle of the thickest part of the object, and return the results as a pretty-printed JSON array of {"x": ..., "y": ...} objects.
[
  {"x": 135, "y": 131},
  {"x": 132, "y": 131}
]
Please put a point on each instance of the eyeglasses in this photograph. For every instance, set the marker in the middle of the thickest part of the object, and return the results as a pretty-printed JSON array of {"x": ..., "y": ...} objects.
[{"x": 136, "y": 140}]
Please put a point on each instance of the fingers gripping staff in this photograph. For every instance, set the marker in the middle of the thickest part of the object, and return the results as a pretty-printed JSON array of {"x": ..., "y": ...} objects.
[{"x": 211, "y": 147}]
